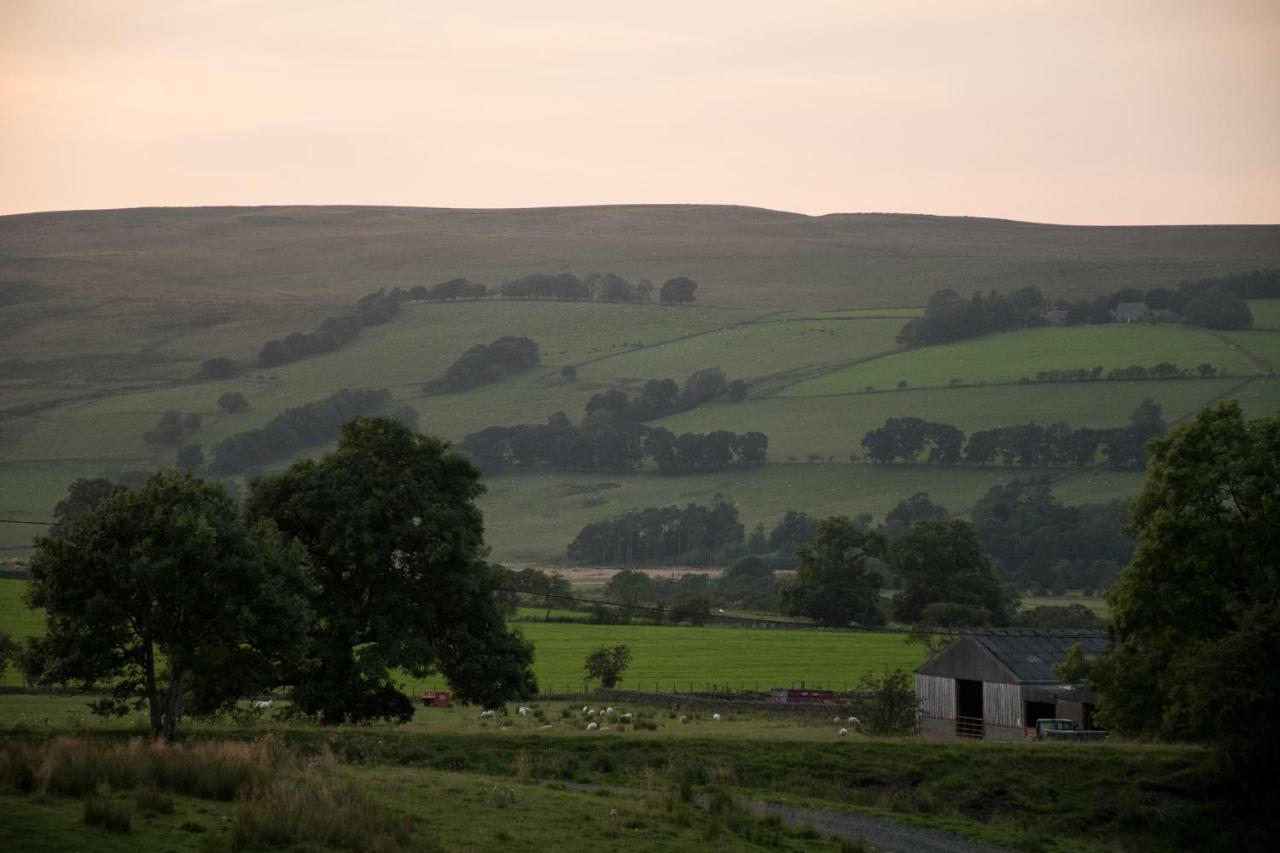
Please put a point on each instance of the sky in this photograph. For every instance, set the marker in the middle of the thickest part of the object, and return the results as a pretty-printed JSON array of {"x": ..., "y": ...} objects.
[{"x": 1083, "y": 112}]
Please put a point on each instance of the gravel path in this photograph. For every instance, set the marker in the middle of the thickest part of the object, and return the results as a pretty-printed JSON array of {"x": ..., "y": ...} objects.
[{"x": 876, "y": 833}]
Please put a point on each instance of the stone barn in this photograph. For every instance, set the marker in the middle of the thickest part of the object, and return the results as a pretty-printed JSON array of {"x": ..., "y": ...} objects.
[{"x": 996, "y": 685}]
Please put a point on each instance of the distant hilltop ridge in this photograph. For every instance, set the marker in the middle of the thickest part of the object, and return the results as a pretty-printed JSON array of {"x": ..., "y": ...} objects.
[{"x": 741, "y": 256}]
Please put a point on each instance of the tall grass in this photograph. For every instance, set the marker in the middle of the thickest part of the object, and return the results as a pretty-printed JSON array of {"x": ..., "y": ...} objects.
[
  {"x": 76, "y": 767},
  {"x": 314, "y": 806}
]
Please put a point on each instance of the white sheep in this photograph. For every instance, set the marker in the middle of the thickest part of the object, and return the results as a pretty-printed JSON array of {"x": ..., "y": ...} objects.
[
  {"x": 591, "y": 713},
  {"x": 548, "y": 727},
  {"x": 854, "y": 721},
  {"x": 715, "y": 717},
  {"x": 608, "y": 710},
  {"x": 592, "y": 726},
  {"x": 626, "y": 718},
  {"x": 263, "y": 704},
  {"x": 683, "y": 718},
  {"x": 489, "y": 712},
  {"x": 835, "y": 720},
  {"x": 523, "y": 711},
  {"x": 585, "y": 709},
  {"x": 843, "y": 732}
]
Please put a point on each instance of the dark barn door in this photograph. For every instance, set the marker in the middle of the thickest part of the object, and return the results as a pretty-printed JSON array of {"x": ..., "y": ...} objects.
[{"x": 969, "y": 721}]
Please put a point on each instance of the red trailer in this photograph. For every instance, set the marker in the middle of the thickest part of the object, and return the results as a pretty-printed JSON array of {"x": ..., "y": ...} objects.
[
  {"x": 793, "y": 696},
  {"x": 436, "y": 699}
]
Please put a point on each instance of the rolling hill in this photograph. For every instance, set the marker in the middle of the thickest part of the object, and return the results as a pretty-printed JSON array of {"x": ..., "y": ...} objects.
[{"x": 104, "y": 317}]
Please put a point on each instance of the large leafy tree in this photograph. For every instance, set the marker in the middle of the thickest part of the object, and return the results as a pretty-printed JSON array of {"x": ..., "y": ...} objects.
[
  {"x": 166, "y": 597},
  {"x": 838, "y": 579},
  {"x": 940, "y": 560},
  {"x": 396, "y": 546},
  {"x": 1196, "y": 613}
]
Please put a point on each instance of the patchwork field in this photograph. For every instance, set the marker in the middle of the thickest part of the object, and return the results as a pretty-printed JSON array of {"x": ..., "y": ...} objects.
[
  {"x": 1009, "y": 356},
  {"x": 804, "y": 395}
]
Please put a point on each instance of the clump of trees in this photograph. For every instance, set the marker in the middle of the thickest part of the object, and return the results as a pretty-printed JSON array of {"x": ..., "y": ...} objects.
[
  {"x": 394, "y": 542},
  {"x": 1196, "y": 612},
  {"x": 172, "y": 428},
  {"x": 606, "y": 446},
  {"x": 332, "y": 576},
  {"x": 950, "y": 317},
  {"x": 169, "y": 598},
  {"x": 944, "y": 578},
  {"x": 658, "y": 398},
  {"x": 295, "y": 429},
  {"x": 1213, "y": 303},
  {"x": 678, "y": 291},
  {"x": 691, "y": 534},
  {"x": 1045, "y": 546},
  {"x": 370, "y": 310},
  {"x": 1022, "y": 445},
  {"x": 218, "y": 368},
  {"x": 1162, "y": 370},
  {"x": 446, "y": 291},
  {"x": 485, "y": 363},
  {"x": 233, "y": 402}
]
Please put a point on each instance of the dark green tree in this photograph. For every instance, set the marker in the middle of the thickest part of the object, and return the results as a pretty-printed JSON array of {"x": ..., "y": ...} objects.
[
  {"x": 82, "y": 496},
  {"x": 396, "y": 547},
  {"x": 677, "y": 291},
  {"x": 1196, "y": 613},
  {"x": 9, "y": 652},
  {"x": 190, "y": 457},
  {"x": 838, "y": 579},
  {"x": 606, "y": 665},
  {"x": 1217, "y": 309},
  {"x": 165, "y": 597},
  {"x": 918, "y": 507},
  {"x": 940, "y": 560},
  {"x": 233, "y": 402}
]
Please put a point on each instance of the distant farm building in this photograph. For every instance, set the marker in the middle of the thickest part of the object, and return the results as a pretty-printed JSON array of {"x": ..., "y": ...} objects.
[{"x": 997, "y": 685}]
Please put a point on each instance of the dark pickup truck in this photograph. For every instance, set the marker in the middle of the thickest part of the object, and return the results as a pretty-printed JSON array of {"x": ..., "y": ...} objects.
[{"x": 1058, "y": 729}]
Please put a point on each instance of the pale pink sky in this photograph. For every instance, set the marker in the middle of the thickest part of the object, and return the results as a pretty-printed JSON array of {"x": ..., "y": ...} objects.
[{"x": 1078, "y": 111}]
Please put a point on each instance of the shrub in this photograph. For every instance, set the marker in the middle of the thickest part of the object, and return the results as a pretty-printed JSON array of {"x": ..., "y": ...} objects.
[{"x": 217, "y": 368}]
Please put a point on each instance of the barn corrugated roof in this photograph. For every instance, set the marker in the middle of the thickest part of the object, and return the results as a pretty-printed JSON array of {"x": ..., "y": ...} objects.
[{"x": 1030, "y": 653}]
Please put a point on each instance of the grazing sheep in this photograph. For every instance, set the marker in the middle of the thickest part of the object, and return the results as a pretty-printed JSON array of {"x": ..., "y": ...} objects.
[
  {"x": 854, "y": 721},
  {"x": 263, "y": 704},
  {"x": 683, "y": 718},
  {"x": 591, "y": 727},
  {"x": 585, "y": 709},
  {"x": 835, "y": 720},
  {"x": 547, "y": 727},
  {"x": 591, "y": 713},
  {"x": 608, "y": 710},
  {"x": 487, "y": 713},
  {"x": 843, "y": 732},
  {"x": 715, "y": 717},
  {"x": 523, "y": 711},
  {"x": 626, "y": 718}
]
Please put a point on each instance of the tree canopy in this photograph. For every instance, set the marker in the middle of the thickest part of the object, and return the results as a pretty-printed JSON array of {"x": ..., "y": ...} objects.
[
  {"x": 1196, "y": 613},
  {"x": 839, "y": 575},
  {"x": 396, "y": 547},
  {"x": 940, "y": 561},
  {"x": 167, "y": 598}
]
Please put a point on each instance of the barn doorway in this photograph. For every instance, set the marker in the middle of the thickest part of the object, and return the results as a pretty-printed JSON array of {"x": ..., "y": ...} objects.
[
  {"x": 969, "y": 721},
  {"x": 1039, "y": 711}
]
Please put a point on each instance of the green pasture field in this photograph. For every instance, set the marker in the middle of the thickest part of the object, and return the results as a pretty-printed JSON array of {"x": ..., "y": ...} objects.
[
  {"x": 751, "y": 351},
  {"x": 1266, "y": 313},
  {"x": 506, "y": 781},
  {"x": 902, "y": 314},
  {"x": 1009, "y": 356},
  {"x": 719, "y": 655},
  {"x": 1262, "y": 345},
  {"x": 666, "y": 658},
  {"x": 832, "y": 427},
  {"x": 533, "y": 516}
]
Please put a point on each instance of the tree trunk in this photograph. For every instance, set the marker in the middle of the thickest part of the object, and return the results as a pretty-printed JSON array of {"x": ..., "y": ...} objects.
[
  {"x": 153, "y": 695},
  {"x": 173, "y": 706}
]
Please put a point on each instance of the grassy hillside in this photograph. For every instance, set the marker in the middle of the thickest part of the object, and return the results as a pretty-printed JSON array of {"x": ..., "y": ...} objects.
[
  {"x": 104, "y": 317},
  {"x": 808, "y": 394}
]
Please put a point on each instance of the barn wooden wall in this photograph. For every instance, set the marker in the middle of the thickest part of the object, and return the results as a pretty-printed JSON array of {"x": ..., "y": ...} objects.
[
  {"x": 937, "y": 696},
  {"x": 1001, "y": 704}
]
